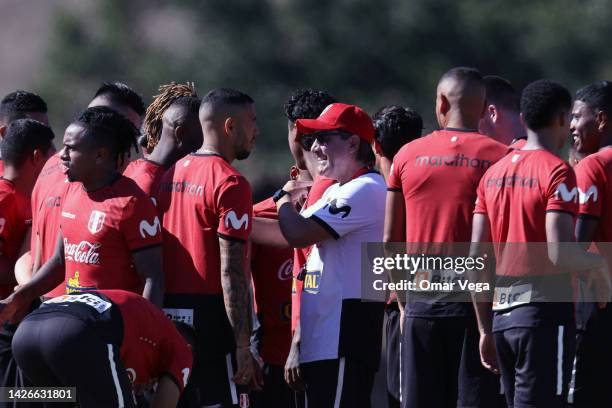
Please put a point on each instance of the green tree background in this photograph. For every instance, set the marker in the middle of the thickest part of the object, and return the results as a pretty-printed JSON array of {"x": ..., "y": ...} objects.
[{"x": 370, "y": 53}]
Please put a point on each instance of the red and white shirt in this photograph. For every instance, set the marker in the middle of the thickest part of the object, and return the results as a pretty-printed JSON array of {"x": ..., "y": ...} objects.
[
  {"x": 438, "y": 175},
  {"x": 300, "y": 255},
  {"x": 101, "y": 229},
  {"x": 272, "y": 275},
  {"x": 594, "y": 174},
  {"x": 201, "y": 199},
  {"x": 47, "y": 198},
  {"x": 15, "y": 219}
]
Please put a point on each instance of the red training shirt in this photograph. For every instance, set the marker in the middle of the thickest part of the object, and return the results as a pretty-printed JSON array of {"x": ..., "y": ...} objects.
[
  {"x": 271, "y": 268},
  {"x": 146, "y": 174},
  {"x": 15, "y": 219},
  {"x": 201, "y": 199},
  {"x": 101, "y": 229}
]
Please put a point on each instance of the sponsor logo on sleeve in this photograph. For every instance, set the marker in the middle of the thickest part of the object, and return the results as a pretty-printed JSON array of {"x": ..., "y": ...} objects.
[
  {"x": 334, "y": 209},
  {"x": 96, "y": 221},
  {"x": 566, "y": 194},
  {"x": 151, "y": 230},
  {"x": 585, "y": 196},
  {"x": 236, "y": 223}
]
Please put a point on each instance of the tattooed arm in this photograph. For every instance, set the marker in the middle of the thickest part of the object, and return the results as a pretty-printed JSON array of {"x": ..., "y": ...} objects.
[{"x": 237, "y": 304}]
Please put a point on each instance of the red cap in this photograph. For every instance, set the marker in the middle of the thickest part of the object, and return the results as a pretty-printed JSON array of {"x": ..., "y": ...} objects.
[{"x": 339, "y": 116}]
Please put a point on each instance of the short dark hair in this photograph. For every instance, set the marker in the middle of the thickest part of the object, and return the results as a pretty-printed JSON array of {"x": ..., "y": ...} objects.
[
  {"x": 542, "y": 101},
  {"x": 464, "y": 74},
  {"x": 122, "y": 94},
  {"x": 394, "y": 126},
  {"x": 109, "y": 129},
  {"x": 17, "y": 104},
  {"x": 22, "y": 137},
  {"x": 597, "y": 96},
  {"x": 501, "y": 92},
  {"x": 307, "y": 104},
  {"x": 226, "y": 96}
]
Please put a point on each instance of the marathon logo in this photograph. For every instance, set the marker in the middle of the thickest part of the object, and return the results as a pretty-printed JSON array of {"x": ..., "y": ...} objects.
[
  {"x": 312, "y": 281},
  {"x": 512, "y": 181},
  {"x": 188, "y": 187},
  {"x": 89, "y": 299},
  {"x": 83, "y": 252},
  {"x": 458, "y": 160},
  {"x": 511, "y": 296},
  {"x": 180, "y": 315}
]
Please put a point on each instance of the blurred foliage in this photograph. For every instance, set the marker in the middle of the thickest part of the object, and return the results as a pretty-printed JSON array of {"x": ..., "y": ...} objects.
[{"x": 370, "y": 53}]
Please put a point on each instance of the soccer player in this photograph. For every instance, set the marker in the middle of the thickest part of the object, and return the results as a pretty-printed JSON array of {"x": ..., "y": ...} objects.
[
  {"x": 529, "y": 197},
  {"x": 592, "y": 131},
  {"x": 341, "y": 336},
  {"x": 102, "y": 342},
  {"x": 172, "y": 129},
  {"x": 207, "y": 211},
  {"x": 394, "y": 126},
  {"x": 432, "y": 189},
  {"x": 51, "y": 185},
  {"x": 122, "y": 99},
  {"x": 26, "y": 146},
  {"x": 21, "y": 105},
  {"x": 501, "y": 120},
  {"x": 110, "y": 234}
]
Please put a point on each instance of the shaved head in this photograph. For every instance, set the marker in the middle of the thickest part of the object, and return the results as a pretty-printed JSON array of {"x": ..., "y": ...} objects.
[
  {"x": 222, "y": 103},
  {"x": 461, "y": 96}
]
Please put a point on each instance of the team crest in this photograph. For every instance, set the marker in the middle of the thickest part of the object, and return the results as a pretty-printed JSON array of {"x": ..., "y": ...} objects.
[{"x": 96, "y": 221}]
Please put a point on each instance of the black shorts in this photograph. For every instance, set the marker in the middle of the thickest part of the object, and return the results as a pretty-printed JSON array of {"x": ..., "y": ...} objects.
[
  {"x": 441, "y": 365},
  {"x": 276, "y": 392},
  {"x": 211, "y": 385},
  {"x": 339, "y": 383},
  {"x": 535, "y": 365},
  {"x": 62, "y": 350},
  {"x": 393, "y": 338}
]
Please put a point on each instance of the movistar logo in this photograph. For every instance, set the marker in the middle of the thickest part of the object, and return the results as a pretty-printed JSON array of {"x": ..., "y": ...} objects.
[
  {"x": 237, "y": 223},
  {"x": 149, "y": 229},
  {"x": 584, "y": 196},
  {"x": 334, "y": 209}
]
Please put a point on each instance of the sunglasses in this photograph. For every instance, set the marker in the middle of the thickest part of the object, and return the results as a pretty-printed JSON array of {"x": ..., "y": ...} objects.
[{"x": 306, "y": 141}]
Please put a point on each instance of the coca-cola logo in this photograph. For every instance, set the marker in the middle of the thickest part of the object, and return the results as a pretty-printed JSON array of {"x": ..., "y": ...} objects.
[{"x": 83, "y": 252}]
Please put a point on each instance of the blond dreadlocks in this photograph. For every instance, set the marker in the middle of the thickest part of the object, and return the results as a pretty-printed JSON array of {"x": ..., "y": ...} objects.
[{"x": 169, "y": 93}]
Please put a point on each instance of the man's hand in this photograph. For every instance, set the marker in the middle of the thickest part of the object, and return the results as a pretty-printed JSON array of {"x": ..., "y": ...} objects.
[
  {"x": 488, "y": 355},
  {"x": 14, "y": 308},
  {"x": 293, "y": 375},
  {"x": 257, "y": 381},
  {"x": 244, "y": 366},
  {"x": 603, "y": 286},
  {"x": 297, "y": 190}
]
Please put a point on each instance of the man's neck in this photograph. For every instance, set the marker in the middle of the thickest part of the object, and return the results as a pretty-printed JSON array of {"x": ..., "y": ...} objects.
[
  {"x": 165, "y": 154},
  {"x": 606, "y": 141},
  {"x": 23, "y": 181},
  {"x": 456, "y": 120},
  {"x": 348, "y": 172},
  {"x": 540, "y": 140},
  {"x": 385, "y": 167},
  {"x": 107, "y": 179},
  {"x": 216, "y": 148}
]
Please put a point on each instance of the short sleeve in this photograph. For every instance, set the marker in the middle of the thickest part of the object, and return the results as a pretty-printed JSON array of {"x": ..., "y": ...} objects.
[
  {"x": 346, "y": 209},
  {"x": 394, "y": 183},
  {"x": 591, "y": 184},
  {"x": 5, "y": 217},
  {"x": 481, "y": 204},
  {"x": 234, "y": 208},
  {"x": 562, "y": 193},
  {"x": 140, "y": 224},
  {"x": 176, "y": 358}
]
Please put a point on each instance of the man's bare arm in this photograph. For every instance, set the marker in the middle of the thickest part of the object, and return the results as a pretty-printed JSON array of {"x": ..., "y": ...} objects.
[{"x": 148, "y": 263}]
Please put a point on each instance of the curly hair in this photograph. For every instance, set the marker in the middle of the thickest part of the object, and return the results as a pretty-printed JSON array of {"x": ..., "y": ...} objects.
[
  {"x": 169, "y": 94},
  {"x": 307, "y": 104},
  {"x": 16, "y": 104},
  {"x": 394, "y": 126}
]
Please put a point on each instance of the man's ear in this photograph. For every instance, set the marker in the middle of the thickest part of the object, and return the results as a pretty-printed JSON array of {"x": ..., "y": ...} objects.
[
  {"x": 522, "y": 119},
  {"x": 3, "y": 131},
  {"x": 444, "y": 104},
  {"x": 491, "y": 110},
  {"x": 563, "y": 118},
  {"x": 178, "y": 134},
  {"x": 229, "y": 126},
  {"x": 602, "y": 120}
]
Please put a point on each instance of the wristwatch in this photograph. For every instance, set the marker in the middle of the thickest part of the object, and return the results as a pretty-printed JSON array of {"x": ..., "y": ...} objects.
[{"x": 278, "y": 195}]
